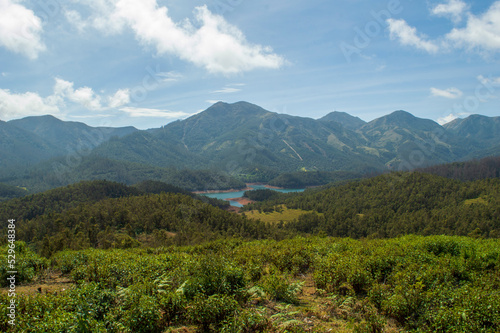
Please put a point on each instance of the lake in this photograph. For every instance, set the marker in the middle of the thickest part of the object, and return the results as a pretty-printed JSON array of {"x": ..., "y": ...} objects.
[{"x": 239, "y": 194}]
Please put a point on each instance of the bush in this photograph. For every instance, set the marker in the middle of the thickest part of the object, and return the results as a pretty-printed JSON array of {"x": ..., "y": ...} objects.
[
  {"x": 279, "y": 288},
  {"x": 26, "y": 263},
  {"x": 143, "y": 316},
  {"x": 210, "y": 313},
  {"x": 247, "y": 321}
]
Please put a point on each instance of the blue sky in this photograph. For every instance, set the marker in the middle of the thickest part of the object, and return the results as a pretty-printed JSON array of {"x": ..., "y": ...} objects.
[{"x": 149, "y": 62}]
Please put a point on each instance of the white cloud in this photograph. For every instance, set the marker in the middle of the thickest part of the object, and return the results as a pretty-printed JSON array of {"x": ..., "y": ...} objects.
[
  {"x": 451, "y": 93},
  {"x": 145, "y": 112},
  {"x": 213, "y": 44},
  {"x": 451, "y": 117},
  {"x": 407, "y": 35},
  {"x": 169, "y": 76},
  {"x": 488, "y": 80},
  {"x": 20, "y": 29},
  {"x": 447, "y": 119},
  {"x": 212, "y": 101},
  {"x": 120, "y": 98},
  {"x": 14, "y": 105},
  {"x": 84, "y": 96},
  {"x": 481, "y": 32},
  {"x": 76, "y": 20},
  {"x": 226, "y": 90},
  {"x": 453, "y": 8}
]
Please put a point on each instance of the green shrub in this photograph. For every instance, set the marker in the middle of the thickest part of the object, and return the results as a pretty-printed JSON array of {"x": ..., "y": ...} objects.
[
  {"x": 143, "y": 316},
  {"x": 210, "y": 313},
  {"x": 279, "y": 288},
  {"x": 247, "y": 321},
  {"x": 24, "y": 261},
  {"x": 173, "y": 305},
  {"x": 213, "y": 275}
]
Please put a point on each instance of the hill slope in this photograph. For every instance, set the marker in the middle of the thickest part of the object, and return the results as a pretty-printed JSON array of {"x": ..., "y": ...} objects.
[{"x": 397, "y": 204}]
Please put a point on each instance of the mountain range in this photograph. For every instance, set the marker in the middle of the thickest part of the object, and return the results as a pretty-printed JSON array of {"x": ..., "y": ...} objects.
[{"x": 247, "y": 142}]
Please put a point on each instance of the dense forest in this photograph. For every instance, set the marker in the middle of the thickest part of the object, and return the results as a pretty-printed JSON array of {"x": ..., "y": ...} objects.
[
  {"x": 60, "y": 172},
  {"x": 488, "y": 167},
  {"x": 8, "y": 192},
  {"x": 397, "y": 204},
  {"x": 304, "y": 179}
]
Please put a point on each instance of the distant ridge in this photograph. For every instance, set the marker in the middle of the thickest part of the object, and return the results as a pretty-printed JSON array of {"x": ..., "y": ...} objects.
[
  {"x": 250, "y": 143},
  {"x": 345, "y": 119}
]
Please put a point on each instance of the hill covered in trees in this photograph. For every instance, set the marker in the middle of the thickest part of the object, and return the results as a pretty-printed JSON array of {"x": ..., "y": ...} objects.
[
  {"x": 397, "y": 204},
  {"x": 60, "y": 172},
  {"x": 488, "y": 167}
]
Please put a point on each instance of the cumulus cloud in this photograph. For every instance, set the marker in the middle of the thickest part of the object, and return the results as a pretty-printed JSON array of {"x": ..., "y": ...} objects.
[
  {"x": 120, "y": 98},
  {"x": 481, "y": 32},
  {"x": 13, "y": 105},
  {"x": 146, "y": 112},
  {"x": 450, "y": 93},
  {"x": 84, "y": 96},
  {"x": 408, "y": 35},
  {"x": 20, "y": 29},
  {"x": 209, "y": 42},
  {"x": 453, "y": 9}
]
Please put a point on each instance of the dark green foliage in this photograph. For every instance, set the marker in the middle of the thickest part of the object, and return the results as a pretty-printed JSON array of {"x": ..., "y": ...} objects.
[
  {"x": 467, "y": 171},
  {"x": 397, "y": 204},
  {"x": 210, "y": 313},
  {"x": 312, "y": 178},
  {"x": 280, "y": 288},
  {"x": 8, "y": 192},
  {"x": 158, "y": 219},
  {"x": 261, "y": 195},
  {"x": 26, "y": 263},
  {"x": 143, "y": 316},
  {"x": 60, "y": 199},
  {"x": 247, "y": 321},
  {"x": 59, "y": 172},
  {"x": 157, "y": 187}
]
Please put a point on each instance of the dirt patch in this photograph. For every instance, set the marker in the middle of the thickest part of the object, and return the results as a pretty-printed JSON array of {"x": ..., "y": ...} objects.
[{"x": 55, "y": 283}]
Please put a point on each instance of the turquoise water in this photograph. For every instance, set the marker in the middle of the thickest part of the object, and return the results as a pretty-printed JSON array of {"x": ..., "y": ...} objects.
[{"x": 239, "y": 194}]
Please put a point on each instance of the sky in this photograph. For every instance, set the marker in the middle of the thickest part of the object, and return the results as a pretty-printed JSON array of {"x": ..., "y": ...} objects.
[{"x": 146, "y": 63}]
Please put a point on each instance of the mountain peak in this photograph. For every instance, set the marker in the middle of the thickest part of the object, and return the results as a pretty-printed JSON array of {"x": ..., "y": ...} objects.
[
  {"x": 403, "y": 119},
  {"x": 345, "y": 119},
  {"x": 223, "y": 109}
]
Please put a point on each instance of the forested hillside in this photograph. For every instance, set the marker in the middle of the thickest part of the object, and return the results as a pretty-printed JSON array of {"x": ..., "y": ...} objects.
[
  {"x": 9, "y": 192},
  {"x": 61, "y": 172},
  {"x": 397, "y": 204},
  {"x": 488, "y": 167}
]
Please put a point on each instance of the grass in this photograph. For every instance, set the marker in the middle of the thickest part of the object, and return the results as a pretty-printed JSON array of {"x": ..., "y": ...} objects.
[
  {"x": 479, "y": 201},
  {"x": 285, "y": 215}
]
